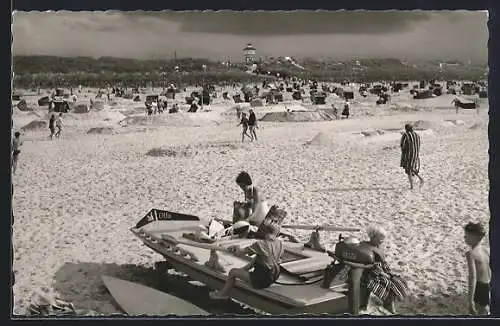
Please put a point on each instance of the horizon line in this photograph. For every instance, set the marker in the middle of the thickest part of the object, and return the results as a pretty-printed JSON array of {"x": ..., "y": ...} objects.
[{"x": 322, "y": 58}]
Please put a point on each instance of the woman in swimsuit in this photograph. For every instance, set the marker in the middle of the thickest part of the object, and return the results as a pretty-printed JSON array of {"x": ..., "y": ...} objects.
[{"x": 253, "y": 208}]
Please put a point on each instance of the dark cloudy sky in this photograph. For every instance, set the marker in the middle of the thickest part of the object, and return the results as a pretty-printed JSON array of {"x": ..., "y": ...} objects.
[{"x": 461, "y": 35}]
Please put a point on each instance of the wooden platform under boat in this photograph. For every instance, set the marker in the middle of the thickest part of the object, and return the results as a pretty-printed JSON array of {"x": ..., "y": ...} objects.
[{"x": 298, "y": 291}]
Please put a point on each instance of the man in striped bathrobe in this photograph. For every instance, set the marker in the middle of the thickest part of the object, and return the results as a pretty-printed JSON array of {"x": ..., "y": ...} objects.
[{"x": 410, "y": 148}]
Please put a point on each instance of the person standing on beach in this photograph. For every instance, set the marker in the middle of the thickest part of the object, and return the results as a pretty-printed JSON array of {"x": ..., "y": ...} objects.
[
  {"x": 16, "y": 143},
  {"x": 478, "y": 263},
  {"x": 252, "y": 124},
  {"x": 244, "y": 124},
  {"x": 59, "y": 125},
  {"x": 154, "y": 107},
  {"x": 52, "y": 126},
  {"x": 410, "y": 149},
  {"x": 346, "y": 111}
]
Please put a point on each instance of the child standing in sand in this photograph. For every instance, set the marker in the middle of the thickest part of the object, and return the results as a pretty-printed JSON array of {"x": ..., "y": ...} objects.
[
  {"x": 59, "y": 125},
  {"x": 346, "y": 111},
  {"x": 265, "y": 264},
  {"x": 52, "y": 126},
  {"x": 379, "y": 280},
  {"x": 244, "y": 124},
  {"x": 16, "y": 143},
  {"x": 478, "y": 263}
]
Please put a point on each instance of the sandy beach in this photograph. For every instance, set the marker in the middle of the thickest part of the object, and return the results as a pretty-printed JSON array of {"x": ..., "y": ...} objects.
[{"x": 75, "y": 198}]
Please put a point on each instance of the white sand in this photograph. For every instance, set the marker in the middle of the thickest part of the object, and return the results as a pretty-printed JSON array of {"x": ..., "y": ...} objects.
[{"x": 76, "y": 198}]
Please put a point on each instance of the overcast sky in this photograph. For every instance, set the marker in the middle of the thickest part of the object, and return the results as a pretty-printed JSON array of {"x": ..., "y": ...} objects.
[{"x": 461, "y": 35}]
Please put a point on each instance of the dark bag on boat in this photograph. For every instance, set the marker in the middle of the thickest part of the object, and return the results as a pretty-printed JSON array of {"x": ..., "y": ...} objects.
[{"x": 361, "y": 253}]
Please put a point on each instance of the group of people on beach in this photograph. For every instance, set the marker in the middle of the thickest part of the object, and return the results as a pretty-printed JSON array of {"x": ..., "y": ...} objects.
[
  {"x": 377, "y": 281},
  {"x": 55, "y": 126}
]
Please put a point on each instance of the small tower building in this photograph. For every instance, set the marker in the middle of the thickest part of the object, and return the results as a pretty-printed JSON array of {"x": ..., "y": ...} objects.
[{"x": 249, "y": 54}]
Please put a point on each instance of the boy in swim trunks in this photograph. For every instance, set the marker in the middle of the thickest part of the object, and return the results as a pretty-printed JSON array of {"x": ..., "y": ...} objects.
[
  {"x": 478, "y": 262},
  {"x": 265, "y": 264}
]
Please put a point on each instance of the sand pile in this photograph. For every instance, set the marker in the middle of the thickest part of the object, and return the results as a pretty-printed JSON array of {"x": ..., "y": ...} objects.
[
  {"x": 403, "y": 107},
  {"x": 180, "y": 119},
  {"x": 23, "y": 106},
  {"x": 327, "y": 114},
  {"x": 456, "y": 122},
  {"x": 107, "y": 115},
  {"x": 16, "y": 111},
  {"x": 101, "y": 131},
  {"x": 390, "y": 148},
  {"x": 369, "y": 133},
  {"x": 133, "y": 111},
  {"x": 420, "y": 124},
  {"x": 43, "y": 101},
  {"x": 104, "y": 115},
  {"x": 297, "y": 116},
  {"x": 192, "y": 150},
  {"x": 479, "y": 125},
  {"x": 97, "y": 105},
  {"x": 256, "y": 103},
  {"x": 80, "y": 108},
  {"x": 35, "y": 125},
  {"x": 242, "y": 107},
  {"x": 183, "y": 151},
  {"x": 321, "y": 139}
]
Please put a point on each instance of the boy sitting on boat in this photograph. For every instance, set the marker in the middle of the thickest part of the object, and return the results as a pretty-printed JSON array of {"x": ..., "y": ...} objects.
[
  {"x": 265, "y": 264},
  {"x": 379, "y": 280},
  {"x": 478, "y": 263}
]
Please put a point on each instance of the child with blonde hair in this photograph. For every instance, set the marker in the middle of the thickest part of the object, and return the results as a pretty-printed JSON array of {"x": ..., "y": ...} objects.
[{"x": 379, "y": 280}]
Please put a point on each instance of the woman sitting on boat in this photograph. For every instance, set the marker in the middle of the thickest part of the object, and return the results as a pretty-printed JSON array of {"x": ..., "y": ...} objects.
[
  {"x": 379, "y": 280},
  {"x": 265, "y": 264},
  {"x": 253, "y": 209}
]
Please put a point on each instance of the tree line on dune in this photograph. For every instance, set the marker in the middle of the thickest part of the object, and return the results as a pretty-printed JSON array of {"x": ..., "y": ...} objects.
[{"x": 50, "y": 71}]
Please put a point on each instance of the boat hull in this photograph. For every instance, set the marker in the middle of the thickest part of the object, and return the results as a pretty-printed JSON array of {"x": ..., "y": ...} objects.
[{"x": 288, "y": 297}]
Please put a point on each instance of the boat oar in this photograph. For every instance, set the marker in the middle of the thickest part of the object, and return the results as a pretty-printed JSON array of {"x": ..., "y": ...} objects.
[{"x": 324, "y": 227}]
